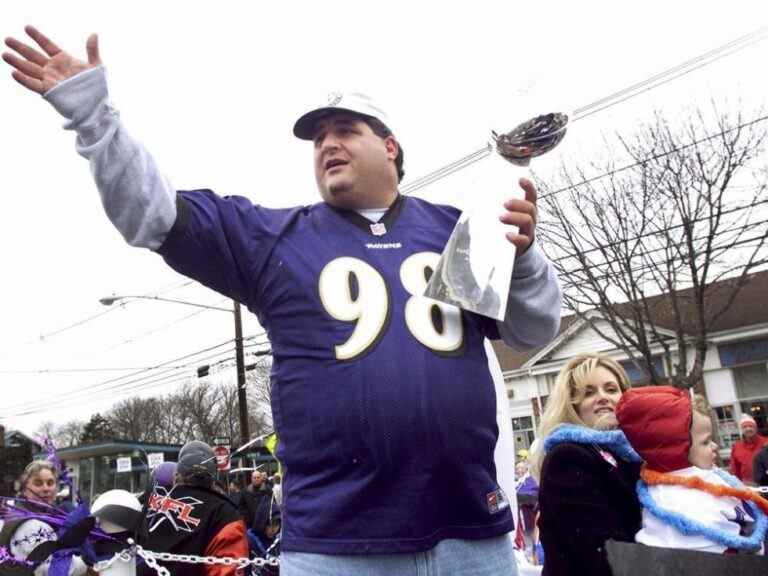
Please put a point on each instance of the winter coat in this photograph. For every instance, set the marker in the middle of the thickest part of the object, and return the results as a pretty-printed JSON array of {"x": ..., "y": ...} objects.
[
  {"x": 585, "y": 498},
  {"x": 193, "y": 520},
  {"x": 255, "y": 508}
]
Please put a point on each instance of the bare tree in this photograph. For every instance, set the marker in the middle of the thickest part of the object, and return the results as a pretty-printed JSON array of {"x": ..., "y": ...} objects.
[
  {"x": 199, "y": 409},
  {"x": 62, "y": 435},
  {"x": 69, "y": 433},
  {"x": 135, "y": 419},
  {"x": 260, "y": 394},
  {"x": 663, "y": 243}
]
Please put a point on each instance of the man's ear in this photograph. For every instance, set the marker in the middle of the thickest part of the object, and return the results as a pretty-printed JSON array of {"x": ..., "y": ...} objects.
[{"x": 393, "y": 148}]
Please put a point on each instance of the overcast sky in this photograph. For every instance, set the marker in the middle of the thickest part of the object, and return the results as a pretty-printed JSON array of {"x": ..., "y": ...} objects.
[{"x": 213, "y": 93}]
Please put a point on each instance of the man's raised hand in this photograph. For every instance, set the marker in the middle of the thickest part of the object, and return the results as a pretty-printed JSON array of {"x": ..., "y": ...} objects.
[
  {"x": 41, "y": 71},
  {"x": 523, "y": 214}
]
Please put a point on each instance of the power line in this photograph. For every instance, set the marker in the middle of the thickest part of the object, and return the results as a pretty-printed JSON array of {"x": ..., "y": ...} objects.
[
  {"x": 144, "y": 383},
  {"x": 582, "y": 270},
  {"x": 671, "y": 73},
  {"x": 653, "y": 157},
  {"x": 37, "y": 410},
  {"x": 73, "y": 370},
  {"x": 619, "y": 258},
  {"x": 131, "y": 386},
  {"x": 118, "y": 369},
  {"x": 86, "y": 320},
  {"x": 440, "y": 173},
  {"x": 608, "y": 101},
  {"x": 600, "y": 247},
  {"x": 98, "y": 385},
  {"x": 72, "y": 326},
  {"x": 76, "y": 398},
  {"x": 170, "y": 288},
  {"x": 151, "y": 331},
  {"x": 582, "y": 275}
]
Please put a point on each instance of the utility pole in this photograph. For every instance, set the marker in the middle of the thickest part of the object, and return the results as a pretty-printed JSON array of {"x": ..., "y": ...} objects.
[{"x": 242, "y": 399}]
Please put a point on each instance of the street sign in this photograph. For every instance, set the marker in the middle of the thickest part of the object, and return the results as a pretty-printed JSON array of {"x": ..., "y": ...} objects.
[
  {"x": 124, "y": 464},
  {"x": 222, "y": 457},
  {"x": 221, "y": 441},
  {"x": 155, "y": 459}
]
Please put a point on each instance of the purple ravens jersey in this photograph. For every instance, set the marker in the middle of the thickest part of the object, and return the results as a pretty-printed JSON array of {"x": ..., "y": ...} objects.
[{"x": 382, "y": 399}]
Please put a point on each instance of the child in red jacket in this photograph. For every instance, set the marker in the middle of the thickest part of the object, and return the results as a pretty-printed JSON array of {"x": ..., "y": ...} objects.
[{"x": 687, "y": 502}]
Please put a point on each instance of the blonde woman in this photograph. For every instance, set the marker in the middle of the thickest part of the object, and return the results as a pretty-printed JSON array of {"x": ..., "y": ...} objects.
[{"x": 586, "y": 469}]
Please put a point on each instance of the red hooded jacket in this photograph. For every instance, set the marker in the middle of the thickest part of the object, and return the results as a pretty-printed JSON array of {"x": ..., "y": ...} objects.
[{"x": 657, "y": 422}]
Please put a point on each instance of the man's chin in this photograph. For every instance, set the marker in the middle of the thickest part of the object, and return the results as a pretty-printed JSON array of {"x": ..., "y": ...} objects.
[{"x": 340, "y": 194}]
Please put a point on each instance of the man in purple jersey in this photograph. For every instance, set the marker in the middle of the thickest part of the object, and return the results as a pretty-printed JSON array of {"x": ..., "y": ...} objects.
[{"x": 383, "y": 399}]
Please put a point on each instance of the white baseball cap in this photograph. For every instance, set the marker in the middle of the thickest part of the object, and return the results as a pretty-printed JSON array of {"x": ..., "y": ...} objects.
[{"x": 354, "y": 102}]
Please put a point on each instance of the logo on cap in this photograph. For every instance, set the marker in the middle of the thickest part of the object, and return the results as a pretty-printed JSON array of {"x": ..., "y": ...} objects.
[{"x": 334, "y": 98}]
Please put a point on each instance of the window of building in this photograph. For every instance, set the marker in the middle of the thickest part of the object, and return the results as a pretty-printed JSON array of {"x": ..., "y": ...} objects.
[
  {"x": 637, "y": 376},
  {"x": 727, "y": 427},
  {"x": 523, "y": 430},
  {"x": 752, "y": 391},
  {"x": 743, "y": 352}
]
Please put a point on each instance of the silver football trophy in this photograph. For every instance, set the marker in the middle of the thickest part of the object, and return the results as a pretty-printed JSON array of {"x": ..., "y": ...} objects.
[{"x": 475, "y": 269}]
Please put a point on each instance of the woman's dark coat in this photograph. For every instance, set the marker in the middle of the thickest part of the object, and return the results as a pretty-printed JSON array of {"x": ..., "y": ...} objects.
[{"x": 584, "y": 500}]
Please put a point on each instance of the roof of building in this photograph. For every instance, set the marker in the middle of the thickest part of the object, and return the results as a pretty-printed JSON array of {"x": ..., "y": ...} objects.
[
  {"x": 750, "y": 307},
  {"x": 113, "y": 447},
  {"x": 12, "y": 437}
]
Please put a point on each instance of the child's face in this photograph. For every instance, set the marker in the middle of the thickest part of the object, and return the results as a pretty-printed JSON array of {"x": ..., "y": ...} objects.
[{"x": 703, "y": 451}]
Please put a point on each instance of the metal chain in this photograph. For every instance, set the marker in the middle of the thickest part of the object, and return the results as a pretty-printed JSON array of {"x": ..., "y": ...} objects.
[
  {"x": 124, "y": 556},
  {"x": 151, "y": 559},
  {"x": 151, "y": 562}
]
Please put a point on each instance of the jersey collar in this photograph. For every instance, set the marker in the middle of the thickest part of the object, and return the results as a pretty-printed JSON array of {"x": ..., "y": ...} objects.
[{"x": 380, "y": 228}]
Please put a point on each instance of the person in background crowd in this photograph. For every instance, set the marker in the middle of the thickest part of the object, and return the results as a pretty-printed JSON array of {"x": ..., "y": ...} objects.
[
  {"x": 744, "y": 451},
  {"x": 587, "y": 471},
  {"x": 256, "y": 509},
  {"x": 39, "y": 484},
  {"x": 527, "y": 500},
  {"x": 162, "y": 477},
  {"x": 687, "y": 502},
  {"x": 252, "y": 495},
  {"x": 234, "y": 492},
  {"x": 193, "y": 517}
]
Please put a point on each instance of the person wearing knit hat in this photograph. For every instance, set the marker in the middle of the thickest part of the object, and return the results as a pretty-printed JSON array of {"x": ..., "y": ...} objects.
[
  {"x": 186, "y": 514},
  {"x": 687, "y": 502},
  {"x": 744, "y": 451}
]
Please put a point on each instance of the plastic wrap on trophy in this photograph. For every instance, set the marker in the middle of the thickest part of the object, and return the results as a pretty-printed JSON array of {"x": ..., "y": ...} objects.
[{"x": 475, "y": 268}]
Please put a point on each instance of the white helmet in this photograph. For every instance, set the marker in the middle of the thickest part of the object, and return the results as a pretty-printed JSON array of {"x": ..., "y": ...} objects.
[{"x": 117, "y": 511}]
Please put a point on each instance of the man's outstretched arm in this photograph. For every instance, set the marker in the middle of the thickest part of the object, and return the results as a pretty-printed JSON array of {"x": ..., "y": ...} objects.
[{"x": 139, "y": 201}]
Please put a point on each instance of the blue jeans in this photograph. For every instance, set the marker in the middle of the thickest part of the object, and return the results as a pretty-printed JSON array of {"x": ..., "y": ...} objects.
[{"x": 489, "y": 557}]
